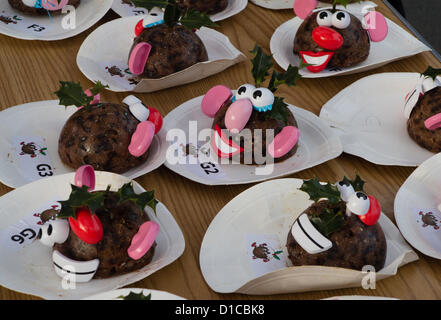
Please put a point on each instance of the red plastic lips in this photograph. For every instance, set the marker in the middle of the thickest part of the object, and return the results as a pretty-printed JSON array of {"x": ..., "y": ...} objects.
[
  {"x": 87, "y": 226},
  {"x": 307, "y": 55},
  {"x": 219, "y": 138},
  {"x": 139, "y": 28},
  {"x": 156, "y": 118},
  {"x": 327, "y": 38}
]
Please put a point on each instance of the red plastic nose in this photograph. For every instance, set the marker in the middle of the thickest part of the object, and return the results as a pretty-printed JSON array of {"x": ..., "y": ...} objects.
[
  {"x": 139, "y": 28},
  {"x": 327, "y": 38}
]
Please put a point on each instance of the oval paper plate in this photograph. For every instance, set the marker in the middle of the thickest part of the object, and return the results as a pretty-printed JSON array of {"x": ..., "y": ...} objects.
[
  {"x": 360, "y": 298},
  {"x": 398, "y": 45},
  {"x": 126, "y": 10},
  {"x": 369, "y": 118},
  {"x": 317, "y": 145},
  {"x": 417, "y": 210},
  {"x": 116, "y": 294},
  {"x": 263, "y": 215},
  {"x": 97, "y": 55},
  {"x": 28, "y": 268},
  {"x": 38, "y": 125},
  {"x": 16, "y": 24},
  {"x": 289, "y": 4}
]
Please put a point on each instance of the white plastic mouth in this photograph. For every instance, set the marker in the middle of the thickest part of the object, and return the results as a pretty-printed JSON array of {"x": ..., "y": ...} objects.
[
  {"x": 316, "y": 61},
  {"x": 29, "y": 3},
  {"x": 222, "y": 146},
  {"x": 78, "y": 271}
]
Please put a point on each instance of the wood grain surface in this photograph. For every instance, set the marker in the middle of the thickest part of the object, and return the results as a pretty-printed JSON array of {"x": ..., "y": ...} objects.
[{"x": 31, "y": 71}]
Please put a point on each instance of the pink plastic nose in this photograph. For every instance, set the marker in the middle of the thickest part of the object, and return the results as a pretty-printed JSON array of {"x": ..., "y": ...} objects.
[
  {"x": 142, "y": 138},
  {"x": 284, "y": 142},
  {"x": 303, "y": 8},
  {"x": 433, "y": 122},
  {"x": 53, "y": 5},
  {"x": 96, "y": 98},
  {"x": 143, "y": 240},
  {"x": 138, "y": 57},
  {"x": 238, "y": 115},
  {"x": 214, "y": 99},
  {"x": 85, "y": 176},
  {"x": 376, "y": 25}
]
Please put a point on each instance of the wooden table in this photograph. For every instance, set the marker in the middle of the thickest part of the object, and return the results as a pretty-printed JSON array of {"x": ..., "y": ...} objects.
[{"x": 25, "y": 79}]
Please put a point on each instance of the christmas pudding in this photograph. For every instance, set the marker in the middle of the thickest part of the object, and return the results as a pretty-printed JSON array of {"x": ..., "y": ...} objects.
[{"x": 42, "y": 7}]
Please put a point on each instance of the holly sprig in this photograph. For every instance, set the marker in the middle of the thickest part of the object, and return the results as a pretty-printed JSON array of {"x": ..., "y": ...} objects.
[
  {"x": 357, "y": 183},
  {"x": 431, "y": 73},
  {"x": 81, "y": 197},
  {"x": 136, "y": 296},
  {"x": 317, "y": 191},
  {"x": 71, "y": 93},
  {"x": 342, "y": 2},
  {"x": 173, "y": 14},
  {"x": 328, "y": 221}
]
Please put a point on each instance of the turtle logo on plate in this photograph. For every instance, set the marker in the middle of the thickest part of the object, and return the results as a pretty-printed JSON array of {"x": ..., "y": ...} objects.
[
  {"x": 264, "y": 252},
  {"x": 429, "y": 219}
]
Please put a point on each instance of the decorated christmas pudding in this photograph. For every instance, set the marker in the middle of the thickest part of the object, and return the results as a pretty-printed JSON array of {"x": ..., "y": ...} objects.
[
  {"x": 252, "y": 125},
  {"x": 334, "y": 38},
  {"x": 423, "y": 111},
  {"x": 100, "y": 234},
  {"x": 42, "y": 7},
  {"x": 108, "y": 136},
  {"x": 339, "y": 229},
  {"x": 207, "y": 6},
  {"x": 166, "y": 42}
]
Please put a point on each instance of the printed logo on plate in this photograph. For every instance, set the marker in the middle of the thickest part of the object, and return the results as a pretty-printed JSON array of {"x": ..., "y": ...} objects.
[
  {"x": 33, "y": 158},
  {"x": 22, "y": 23},
  {"x": 26, "y": 230},
  {"x": 265, "y": 254},
  {"x": 429, "y": 220}
]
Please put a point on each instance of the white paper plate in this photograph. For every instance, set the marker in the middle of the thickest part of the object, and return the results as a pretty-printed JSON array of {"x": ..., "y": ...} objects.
[
  {"x": 233, "y": 8},
  {"x": 317, "y": 145},
  {"x": 115, "y": 294},
  {"x": 46, "y": 119},
  {"x": 97, "y": 53},
  {"x": 289, "y": 4},
  {"x": 30, "y": 270},
  {"x": 270, "y": 208},
  {"x": 368, "y": 115},
  {"x": 421, "y": 193},
  {"x": 359, "y": 298},
  {"x": 398, "y": 45},
  {"x": 50, "y": 28}
]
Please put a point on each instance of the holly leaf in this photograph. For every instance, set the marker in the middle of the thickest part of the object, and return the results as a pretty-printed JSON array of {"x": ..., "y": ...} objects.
[
  {"x": 357, "y": 183},
  {"x": 98, "y": 87},
  {"x": 261, "y": 65},
  {"x": 71, "y": 93},
  {"x": 150, "y": 4},
  {"x": 81, "y": 197},
  {"x": 195, "y": 20},
  {"x": 136, "y": 296},
  {"x": 343, "y": 2},
  {"x": 141, "y": 200},
  {"x": 172, "y": 14},
  {"x": 328, "y": 221},
  {"x": 289, "y": 78},
  {"x": 317, "y": 191},
  {"x": 279, "y": 111},
  {"x": 431, "y": 73}
]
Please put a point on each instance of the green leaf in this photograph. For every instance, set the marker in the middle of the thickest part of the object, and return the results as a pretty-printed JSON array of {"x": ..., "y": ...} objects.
[
  {"x": 71, "y": 93},
  {"x": 98, "y": 87},
  {"x": 136, "y": 296},
  {"x": 289, "y": 78},
  {"x": 81, "y": 197},
  {"x": 357, "y": 183},
  {"x": 328, "y": 221},
  {"x": 343, "y": 2},
  {"x": 432, "y": 73},
  {"x": 172, "y": 14},
  {"x": 317, "y": 191},
  {"x": 141, "y": 200},
  {"x": 195, "y": 20},
  {"x": 279, "y": 111},
  {"x": 150, "y": 4},
  {"x": 261, "y": 65}
]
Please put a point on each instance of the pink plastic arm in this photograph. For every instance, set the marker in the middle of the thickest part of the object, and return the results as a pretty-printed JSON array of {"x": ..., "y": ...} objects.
[
  {"x": 143, "y": 240},
  {"x": 85, "y": 176},
  {"x": 142, "y": 138},
  {"x": 376, "y": 25},
  {"x": 138, "y": 57},
  {"x": 214, "y": 99},
  {"x": 433, "y": 122},
  {"x": 303, "y": 8},
  {"x": 284, "y": 142}
]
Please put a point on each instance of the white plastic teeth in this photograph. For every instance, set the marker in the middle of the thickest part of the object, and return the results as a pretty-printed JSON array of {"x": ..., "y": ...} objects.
[
  {"x": 429, "y": 84},
  {"x": 76, "y": 271},
  {"x": 29, "y": 3},
  {"x": 358, "y": 203},
  {"x": 308, "y": 237},
  {"x": 346, "y": 190},
  {"x": 426, "y": 85},
  {"x": 54, "y": 231},
  {"x": 137, "y": 108}
]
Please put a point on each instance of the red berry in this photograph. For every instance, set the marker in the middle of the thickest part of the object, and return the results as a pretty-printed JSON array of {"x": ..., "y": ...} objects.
[{"x": 139, "y": 28}]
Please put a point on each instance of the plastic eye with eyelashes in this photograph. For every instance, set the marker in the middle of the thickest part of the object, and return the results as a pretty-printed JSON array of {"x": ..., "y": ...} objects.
[
  {"x": 55, "y": 231},
  {"x": 245, "y": 91},
  {"x": 341, "y": 20},
  {"x": 153, "y": 18},
  {"x": 358, "y": 203},
  {"x": 324, "y": 18},
  {"x": 262, "y": 99},
  {"x": 346, "y": 190}
]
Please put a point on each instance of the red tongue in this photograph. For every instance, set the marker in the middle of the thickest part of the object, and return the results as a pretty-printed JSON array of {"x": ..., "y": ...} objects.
[{"x": 138, "y": 57}]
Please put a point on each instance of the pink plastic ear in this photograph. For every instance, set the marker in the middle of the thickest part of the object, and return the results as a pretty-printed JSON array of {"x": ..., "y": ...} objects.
[
  {"x": 284, "y": 142},
  {"x": 142, "y": 138},
  {"x": 238, "y": 115},
  {"x": 433, "y": 122},
  {"x": 53, "y": 5},
  {"x": 303, "y": 8},
  {"x": 85, "y": 176},
  {"x": 138, "y": 57},
  {"x": 143, "y": 240},
  {"x": 214, "y": 99},
  {"x": 375, "y": 23}
]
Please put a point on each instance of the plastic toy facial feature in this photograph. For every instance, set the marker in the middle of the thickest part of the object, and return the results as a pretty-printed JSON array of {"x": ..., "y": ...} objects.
[
  {"x": 143, "y": 240},
  {"x": 341, "y": 20},
  {"x": 308, "y": 237},
  {"x": 324, "y": 18},
  {"x": 223, "y": 146},
  {"x": 138, "y": 57},
  {"x": 412, "y": 98},
  {"x": 358, "y": 203},
  {"x": 87, "y": 226},
  {"x": 262, "y": 99},
  {"x": 434, "y": 122},
  {"x": 376, "y": 25},
  {"x": 327, "y": 38},
  {"x": 317, "y": 60},
  {"x": 81, "y": 271},
  {"x": 245, "y": 91},
  {"x": 284, "y": 142},
  {"x": 85, "y": 176},
  {"x": 54, "y": 231},
  {"x": 214, "y": 99},
  {"x": 153, "y": 18},
  {"x": 373, "y": 214},
  {"x": 303, "y": 8},
  {"x": 346, "y": 190},
  {"x": 238, "y": 114}
]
